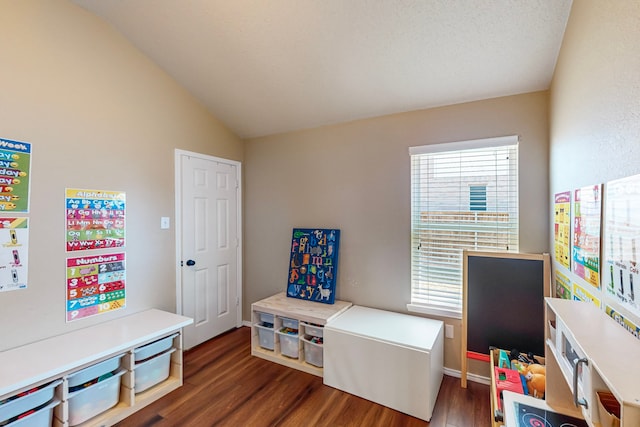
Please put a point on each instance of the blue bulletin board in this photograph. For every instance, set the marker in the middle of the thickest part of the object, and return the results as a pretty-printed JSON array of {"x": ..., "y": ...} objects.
[{"x": 313, "y": 265}]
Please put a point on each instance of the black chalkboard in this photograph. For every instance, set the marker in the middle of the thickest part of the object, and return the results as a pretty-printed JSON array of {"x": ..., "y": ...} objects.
[{"x": 505, "y": 301}]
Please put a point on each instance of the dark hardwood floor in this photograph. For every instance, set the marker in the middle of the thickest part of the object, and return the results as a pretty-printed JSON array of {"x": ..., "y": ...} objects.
[{"x": 225, "y": 386}]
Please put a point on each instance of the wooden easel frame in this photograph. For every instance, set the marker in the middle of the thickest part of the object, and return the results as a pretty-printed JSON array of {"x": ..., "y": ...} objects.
[{"x": 465, "y": 283}]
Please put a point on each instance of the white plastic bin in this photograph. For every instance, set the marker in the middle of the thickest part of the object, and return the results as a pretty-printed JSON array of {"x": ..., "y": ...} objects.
[
  {"x": 31, "y": 399},
  {"x": 95, "y": 399},
  {"x": 152, "y": 371},
  {"x": 266, "y": 337},
  {"x": 265, "y": 317},
  {"x": 313, "y": 330},
  {"x": 94, "y": 371},
  {"x": 289, "y": 323},
  {"x": 312, "y": 351},
  {"x": 42, "y": 417},
  {"x": 289, "y": 344},
  {"x": 156, "y": 347}
]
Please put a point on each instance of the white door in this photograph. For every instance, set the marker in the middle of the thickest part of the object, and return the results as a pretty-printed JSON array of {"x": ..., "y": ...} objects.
[{"x": 208, "y": 245}]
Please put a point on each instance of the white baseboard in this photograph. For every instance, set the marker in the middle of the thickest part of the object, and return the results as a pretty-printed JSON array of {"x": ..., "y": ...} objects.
[{"x": 470, "y": 377}]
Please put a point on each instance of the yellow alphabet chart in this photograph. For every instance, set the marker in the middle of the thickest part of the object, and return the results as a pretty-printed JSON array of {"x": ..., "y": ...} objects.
[{"x": 14, "y": 236}]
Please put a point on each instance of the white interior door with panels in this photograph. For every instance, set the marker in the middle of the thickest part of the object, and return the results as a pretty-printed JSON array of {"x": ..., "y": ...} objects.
[{"x": 208, "y": 245}]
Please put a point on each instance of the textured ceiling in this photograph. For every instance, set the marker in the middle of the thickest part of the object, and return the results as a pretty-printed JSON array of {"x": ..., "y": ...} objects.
[{"x": 271, "y": 66}]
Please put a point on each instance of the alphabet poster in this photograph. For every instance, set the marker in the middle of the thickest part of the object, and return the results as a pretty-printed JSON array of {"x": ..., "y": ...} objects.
[
  {"x": 95, "y": 219},
  {"x": 95, "y": 285},
  {"x": 14, "y": 236},
  {"x": 313, "y": 265},
  {"x": 15, "y": 165}
]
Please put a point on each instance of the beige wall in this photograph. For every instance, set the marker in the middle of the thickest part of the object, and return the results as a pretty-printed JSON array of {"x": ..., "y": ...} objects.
[
  {"x": 595, "y": 102},
  {"x": 99, "y": 115},
  {"x": 355, "y": 177}
]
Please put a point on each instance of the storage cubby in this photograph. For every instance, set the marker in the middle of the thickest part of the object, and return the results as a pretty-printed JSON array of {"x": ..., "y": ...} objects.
[
  {"x": 587, "y": 354},
  {"x": 270, "y": 318},
  {"x": 121, "y": 366}
]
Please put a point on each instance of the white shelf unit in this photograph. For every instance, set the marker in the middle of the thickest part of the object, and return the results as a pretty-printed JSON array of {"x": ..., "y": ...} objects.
[
  {"x": 304, "y": 312},
  {"x": 58, "y": 358},
  {"x": 610, "y": 355}
]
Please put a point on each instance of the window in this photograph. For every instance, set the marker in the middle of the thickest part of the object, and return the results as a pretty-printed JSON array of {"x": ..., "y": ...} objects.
[
  {"x": 477, "y": 197},
  {"x": 464, "y": 195}
]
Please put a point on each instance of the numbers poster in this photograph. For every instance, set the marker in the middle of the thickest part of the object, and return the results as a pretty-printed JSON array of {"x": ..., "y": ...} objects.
[
  {"x": 587, "y": 204},
  {"x": 15, "y": 165},
  {"x": 621, "y": 240},
  {"x": 95, "y": 285},
  {"x": 95, "y": 219},
  {"x": 14, "y": 236},
  {"x": 313, "y": 265}
]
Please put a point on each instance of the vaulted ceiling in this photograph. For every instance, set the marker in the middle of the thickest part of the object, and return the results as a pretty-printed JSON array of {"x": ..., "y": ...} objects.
[{"x": 272, "y": 66}]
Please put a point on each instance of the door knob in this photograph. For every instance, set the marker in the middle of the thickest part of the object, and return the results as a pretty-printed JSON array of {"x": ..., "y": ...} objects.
[{"x": 190, "y": 262}]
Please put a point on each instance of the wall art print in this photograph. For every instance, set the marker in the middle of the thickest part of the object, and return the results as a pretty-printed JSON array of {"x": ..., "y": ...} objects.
[{"x": 313, "y": 265}]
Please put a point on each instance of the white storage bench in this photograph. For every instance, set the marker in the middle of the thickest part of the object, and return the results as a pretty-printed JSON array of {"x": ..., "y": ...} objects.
[
  {"x": 392, "y": 359},
  {"x": 90, "y": 376}
]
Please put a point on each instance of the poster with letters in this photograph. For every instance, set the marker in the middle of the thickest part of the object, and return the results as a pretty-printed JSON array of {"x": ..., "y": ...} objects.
[
  {"x": 313, "y": 264},
  {"x": 95, "y": 219},
  {"x": 15, "y": 176}
]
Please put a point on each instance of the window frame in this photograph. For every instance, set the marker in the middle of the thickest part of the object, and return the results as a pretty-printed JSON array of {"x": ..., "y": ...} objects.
[{"x": 432, "y": 307}]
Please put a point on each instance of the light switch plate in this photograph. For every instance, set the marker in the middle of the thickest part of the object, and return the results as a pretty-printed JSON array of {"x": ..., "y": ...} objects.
[{"x": 164, "y": 222}]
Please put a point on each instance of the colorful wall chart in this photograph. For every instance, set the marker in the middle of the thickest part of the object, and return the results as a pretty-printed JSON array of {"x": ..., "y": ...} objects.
[
  {"x": 563, "y": 286},
  {"x": 313, "y": 265},
  {"x": 625, "y": 323},
  {"x": 562, "y": 228},
  {"x": 583, "y": 294},
  {"x": 587, "y": 204},
  {"x": 95, "y": 219},
  {"x": 14, "y": 253},
  {"x": 95, "y": 285},
  {"x": 15, "y": 166},
  {"x": 621, "y": 240}
]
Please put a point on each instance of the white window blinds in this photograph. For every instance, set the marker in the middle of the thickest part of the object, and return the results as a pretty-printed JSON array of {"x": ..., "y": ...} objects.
[{"x": 447, "y": 182}]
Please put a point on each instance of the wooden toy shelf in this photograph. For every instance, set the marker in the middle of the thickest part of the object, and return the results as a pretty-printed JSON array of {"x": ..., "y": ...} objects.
[
  {"x": 58, "y": 358},
  {"x": 608, "y": 361},
  {"x": 280, "y": 306}
]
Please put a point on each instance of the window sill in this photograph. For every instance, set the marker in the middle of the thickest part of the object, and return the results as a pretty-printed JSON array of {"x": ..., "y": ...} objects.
[{"x": 423, "y": 309}]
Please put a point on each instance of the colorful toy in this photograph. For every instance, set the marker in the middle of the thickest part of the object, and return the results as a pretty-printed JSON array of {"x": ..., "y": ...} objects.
[
  {"x": 506, "y": 379},
  {"x": 536, "y": 380}
]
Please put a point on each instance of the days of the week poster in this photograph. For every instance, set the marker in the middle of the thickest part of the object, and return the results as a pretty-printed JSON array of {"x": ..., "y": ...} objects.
[
  {"x": 15, "y": 165},
  {"x": 95, "y": 285},
  {"x": 14, "y": 253},
  {"x": 586, "y": 234},
  {"x": 95, "y": 219}
]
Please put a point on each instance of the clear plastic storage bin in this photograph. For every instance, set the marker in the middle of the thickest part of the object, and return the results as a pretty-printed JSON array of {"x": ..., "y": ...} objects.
[
  {"x": 88, "y": 402},
  {"x": 156, "y": 347},
  {"x": 313, "y": 330},
  {"x": 312, "y": 351},
  {"x": 27, "y": 401},
  {"x": 265, "y": 336},
  {"x": 289, "y": 323},
  {"x": 94, "y": 372},
  {"x": 288, "y": 344},
  {"x": 43, "y": 416},
  {"x": 152, "y": 371}
]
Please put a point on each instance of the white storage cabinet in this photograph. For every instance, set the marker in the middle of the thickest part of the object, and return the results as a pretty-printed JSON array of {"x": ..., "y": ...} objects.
[
  {"x": 392, "y": 359},
  {"x": 587, "y": 352},
  {"x": 93, "y": 376},
  {"x": 271, "y": 315}
]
